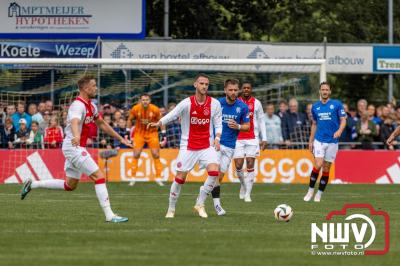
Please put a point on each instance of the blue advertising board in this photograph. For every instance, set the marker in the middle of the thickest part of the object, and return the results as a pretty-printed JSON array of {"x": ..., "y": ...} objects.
[
  {"x": 49, "y": 50},
  {"x": 386, "y": 59}
]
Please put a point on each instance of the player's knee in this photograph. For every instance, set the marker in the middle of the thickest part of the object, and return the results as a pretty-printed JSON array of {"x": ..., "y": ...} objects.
[
  {"x": 326, "y": 167},
  {"x": 250, "y": 163},
  {"x": 238, "y": 165}
]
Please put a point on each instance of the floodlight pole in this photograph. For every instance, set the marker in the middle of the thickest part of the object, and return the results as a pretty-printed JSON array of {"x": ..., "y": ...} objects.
[{"x": 390, "y": 28}]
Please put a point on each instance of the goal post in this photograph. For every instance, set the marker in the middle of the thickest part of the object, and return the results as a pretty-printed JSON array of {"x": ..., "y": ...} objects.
[{"x": 212, "y": 64}]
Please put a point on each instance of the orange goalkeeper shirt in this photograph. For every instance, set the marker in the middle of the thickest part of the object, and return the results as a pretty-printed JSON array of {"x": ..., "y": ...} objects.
[{"x": 144, "y": 116}]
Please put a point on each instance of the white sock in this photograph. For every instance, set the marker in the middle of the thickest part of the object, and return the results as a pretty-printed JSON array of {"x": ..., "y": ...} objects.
[
  {"x": 240, "y": 175},
  {"x": 217, "y": 201},
  {"x": 102, "y": 196},
  {"x": 249, "y": 182},
  {"x": 50, "y": 184},
  {"x": 310, "y": 190},
  {"x": 320, "y": 193},
  {"x": 174, "y": 195},
  {"x": 206, "y": 189}
]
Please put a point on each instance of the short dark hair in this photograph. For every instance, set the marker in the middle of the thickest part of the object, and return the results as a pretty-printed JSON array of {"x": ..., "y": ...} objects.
[
  {"x": 21, "y": 103},
  {"x": 201, "y": 75},
  {"x": 85, "y": 80},
  {"x": 231, "y": 81},
  {"x": 324, "y": 83},
  {"x": 144, "y": 95},
  {"x": 35, "y": 122},
  {"x": 247, "y": 82}
]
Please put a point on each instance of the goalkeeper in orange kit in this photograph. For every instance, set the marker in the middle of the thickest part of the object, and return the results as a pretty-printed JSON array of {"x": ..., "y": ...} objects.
[{"x": 143, "y": 113}]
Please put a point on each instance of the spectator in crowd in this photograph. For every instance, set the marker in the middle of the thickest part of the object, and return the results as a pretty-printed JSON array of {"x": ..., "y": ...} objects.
[
  {"x": 7, "y": 134},
  {"x": 385, "y": 113},
  {"x": 371, "y": 110},
  {"x": 16, "y": 117},
  {"x": 309, "y": 114},
  {"x": 293, "y": 121},
  {"x": 387, "y": 128},
  {"x": 361, "y": 107},
  {"x": 64, "y": 115},
  {"x": 3, "y": 114},
  {"x": 53, "y": 134},
  {"x": 116, "y": 117},
  {"x": 49, "y": 106},
  {"x": 45, "y": 122},
  {"x": 22, "y": 134},
  {"x": 10, "y": 110},
  {"x": 105, "y": 141},
  {"x": 366, "y": 131},
  {"x": 273, "y": 127},
  {"x": 353, "y": 113},
  {"x": 173, "y": 130},
  {"x": 372, "y": 115},
  {"x": 123, "y": 132},
  {"x": 283, "y": 107},
  {"x": 32, "y": 109},
  {"x": 163, "y": 111},
  {"x": 107, "y": 109},
  {"x": 391, "y": 107},
  {"x": 349, "y": 133},
  {"x": 35, "y": 140},
  {"x": 38, "y": 116}
]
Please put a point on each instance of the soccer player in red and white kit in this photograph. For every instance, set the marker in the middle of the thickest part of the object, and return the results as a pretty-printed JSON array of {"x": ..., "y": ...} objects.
[
  {"x": 248, "y": 144},
  {"x": 82, "y": 114},
  {"x": 199, "y": 114}
]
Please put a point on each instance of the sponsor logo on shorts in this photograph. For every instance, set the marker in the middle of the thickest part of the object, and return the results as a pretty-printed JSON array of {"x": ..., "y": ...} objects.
[
  {"x": 84, "y": 153},
  {"x": 179, "y": 164},
  {"x": 199, "y": 121}
]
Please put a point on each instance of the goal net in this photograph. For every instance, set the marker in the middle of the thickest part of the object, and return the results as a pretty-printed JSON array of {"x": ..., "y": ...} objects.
[{"x": 50, "y": 86}]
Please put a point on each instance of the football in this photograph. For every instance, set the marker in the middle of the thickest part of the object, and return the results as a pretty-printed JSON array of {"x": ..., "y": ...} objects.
[{"x": 283, "y": 212}]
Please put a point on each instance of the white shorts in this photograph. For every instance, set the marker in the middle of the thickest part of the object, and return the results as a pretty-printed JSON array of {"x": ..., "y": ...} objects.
[
  {"x": 187, "y": 159},
  {"x": 247, "y": 148},
  {"x": 225, "y": 156},
  {"x": 78, "y": 161},
  {"x": 327, "y": 151}
]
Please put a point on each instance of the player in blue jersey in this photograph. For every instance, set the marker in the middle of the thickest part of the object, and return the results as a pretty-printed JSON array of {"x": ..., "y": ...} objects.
[
  {"x": 329, "y": 121},
  {"x": 235, "y": 118}
]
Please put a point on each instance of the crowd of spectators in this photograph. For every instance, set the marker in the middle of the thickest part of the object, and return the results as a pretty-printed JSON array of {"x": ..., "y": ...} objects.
[
  {"x": 41, "y": 125},
  {"x": 367, "y": 127}
]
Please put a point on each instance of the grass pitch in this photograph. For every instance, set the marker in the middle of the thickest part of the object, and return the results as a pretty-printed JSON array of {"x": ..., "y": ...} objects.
[{"x": 60, "y": 228}]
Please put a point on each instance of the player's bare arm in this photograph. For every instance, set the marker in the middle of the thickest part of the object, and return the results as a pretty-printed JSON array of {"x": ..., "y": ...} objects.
[
  {"x": 111, "y": 132},
  {"x": 393, "y": 136},
  {"x": 243, "y": 127},
  {"x": 155, "y": 124},
  {"x": 75, "y": 131},
  {"x": 217, "y": 140},
  {"x": 312, "y": 135},
  {"x": 339, "y": 132}
]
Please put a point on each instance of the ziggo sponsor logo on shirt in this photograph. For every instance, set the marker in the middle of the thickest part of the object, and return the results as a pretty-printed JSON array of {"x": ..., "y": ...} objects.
[{"x": 199, "y": 121}]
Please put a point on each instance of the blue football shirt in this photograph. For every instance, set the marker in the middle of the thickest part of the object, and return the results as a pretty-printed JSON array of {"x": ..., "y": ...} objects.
[
  {"x": 237, "y": 111},
  {"x": 327, "y": 116}
]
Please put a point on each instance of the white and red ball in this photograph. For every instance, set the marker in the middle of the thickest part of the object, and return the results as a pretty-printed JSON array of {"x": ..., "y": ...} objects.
[{"x": 283, "y": 212}]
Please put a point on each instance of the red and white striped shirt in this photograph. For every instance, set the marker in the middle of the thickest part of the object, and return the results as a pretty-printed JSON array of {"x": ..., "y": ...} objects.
[
  {"x": 87, "y": 114},
  {"x": 197, "y": 122}
]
